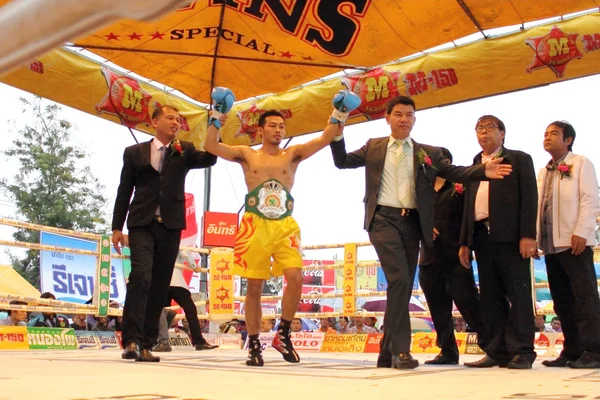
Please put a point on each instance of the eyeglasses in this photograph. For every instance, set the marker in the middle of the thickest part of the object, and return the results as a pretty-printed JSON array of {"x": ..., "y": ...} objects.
[{"x": 488, "y": 128}]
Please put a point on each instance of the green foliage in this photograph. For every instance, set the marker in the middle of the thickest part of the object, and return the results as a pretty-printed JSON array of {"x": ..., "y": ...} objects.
[{"x": 52, "y": 187}]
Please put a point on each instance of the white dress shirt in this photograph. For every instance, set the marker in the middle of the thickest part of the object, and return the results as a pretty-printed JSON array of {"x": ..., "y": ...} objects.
[{"x": 482, "y": 199}]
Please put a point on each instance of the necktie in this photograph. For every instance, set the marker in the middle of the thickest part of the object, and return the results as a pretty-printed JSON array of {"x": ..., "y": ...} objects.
[
  {"x": 404, "y": 180},
  {"x": 161, "y": 157}
]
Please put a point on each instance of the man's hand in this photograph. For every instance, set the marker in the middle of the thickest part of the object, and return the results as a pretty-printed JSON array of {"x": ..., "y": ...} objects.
[
  {"x": 577, "y": 245},
  {"x": 464, "y": 255},
  {"x": 528, "y": 247},
  {"x": 436, "y": 233},
  {"x": 118, "y": 240},
  {"x": 333, "y": 130},
  {"x": 495, "y": 170}
]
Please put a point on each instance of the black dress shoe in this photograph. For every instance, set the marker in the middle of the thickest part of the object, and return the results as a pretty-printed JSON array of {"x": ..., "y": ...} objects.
[
  {"x": 404, "y": 361},
  {"x": 442, "y": 359},
  {"x": 485, "y": 362},
  {"x": 384, "y": 363},
  {"x": 162, "y": 346},
  {"x": 519, "y": 362},
  {"x": 587, "y": 360},
  {"x": 206, "y": 346},
  {"x": 147, "y": 356},
  {"x": 561, "y": 361},
  {"x": 131, "y": 352}
]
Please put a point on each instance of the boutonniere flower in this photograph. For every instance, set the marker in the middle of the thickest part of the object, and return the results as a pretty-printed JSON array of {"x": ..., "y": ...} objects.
[
  {"x": 176, "y": 148},
  {"x": 564, "y": 169},
  {"x": 459, "y": 188},
  {"x": 423, "y": 158}
]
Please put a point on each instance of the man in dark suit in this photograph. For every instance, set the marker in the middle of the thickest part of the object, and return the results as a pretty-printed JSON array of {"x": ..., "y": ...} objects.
[
  {"x": 399, "y": 203},
  {"x": 157, "y": 171},
  {"x": 442, "y": 277},
  {"x": 499, "y": 224}
]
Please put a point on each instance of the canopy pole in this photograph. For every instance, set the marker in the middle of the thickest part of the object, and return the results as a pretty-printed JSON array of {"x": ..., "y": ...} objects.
[{"x": 132, "y": 134}]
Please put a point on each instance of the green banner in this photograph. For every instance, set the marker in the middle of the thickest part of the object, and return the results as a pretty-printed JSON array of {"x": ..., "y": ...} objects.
[
  {"x": 102, "y": 289},
  {"x": 51, "y": 338}
]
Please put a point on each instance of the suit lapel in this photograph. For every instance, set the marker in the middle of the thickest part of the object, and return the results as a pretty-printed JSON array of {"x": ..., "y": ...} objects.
[
  {"x": 145, "y": 153},
  {"x": 379, "y": 151},
  {"x": 416, "y": 149}
]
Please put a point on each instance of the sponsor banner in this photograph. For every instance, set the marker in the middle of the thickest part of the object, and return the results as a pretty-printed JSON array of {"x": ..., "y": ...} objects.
[
  {"x": 548, "y": 344},
  {"x": 349, "y": 282},
  {"x": 307, "y": 340},
  {"x": 51, "y": 338},
  {"x": 229, "y": 341},
  {"x": 424, "y": 342},
  {"x": 108, "y": 340},
  {"x": 13, "y": 338},
  {"x": 315, "y": 305},
  {"x": 373, "y": 342},
  {"x": 344, "y": 343},
  {"x": 86, "y": 340},
  {"x": 190, "y": 233},
  {"x": 119, "y": 336},
  {"x": 471, "y": 346},
  {"x": 102, "y": 295},
  {"x": 221, "y": 281},
  {"x": 179, "y": 339},
  {"x": 219, "y": 229},
  {"x": 366, "y": 278},
  {"x": 71, "y": 277},
  {"x": 559, "y": 342}
]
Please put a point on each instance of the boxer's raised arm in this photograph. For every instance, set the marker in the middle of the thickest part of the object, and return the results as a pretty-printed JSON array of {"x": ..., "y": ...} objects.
[{"x": 214, "y": 146}]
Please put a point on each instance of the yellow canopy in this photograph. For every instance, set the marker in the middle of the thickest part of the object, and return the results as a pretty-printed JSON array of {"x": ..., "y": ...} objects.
[
  {"x": 11, "y": 282},
  {"x": 275, "y": 54}
]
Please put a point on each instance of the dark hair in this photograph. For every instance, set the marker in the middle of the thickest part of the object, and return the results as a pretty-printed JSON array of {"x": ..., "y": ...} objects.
[
  {"x": 269, "y": 113},
  {"x": 555, "y": 319},
  {"x": 446, "y": 153},
  {"x": 497, "y": 120},
  {"x": 160, "y": 110},
  {"x": 345, "y": 319},
  {"x": 48, "y": 295},
  {"x": 568, "y": 131},
  {"x": 16, "y": 303},
  {"x": 400, "y": 100}
]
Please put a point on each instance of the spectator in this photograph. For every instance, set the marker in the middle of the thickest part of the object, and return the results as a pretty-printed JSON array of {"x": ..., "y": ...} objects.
[
  {"x": 296, "y": 325},
  {"x": 343, "y": 325},
  {"x": 50, "y": 320},
  {"x": 79, "y": 323},
  {"x": 325, "y": 326},
  {"x": 15, "y": 317},
  {"x": 556, "y": 325},
  {"x": 102, "y": 325},
  {"x": 360, "y": 327},
  {"x": 267, "y": 325},
  {"x": 371, "y": 322},
  {"x": 460, "y": 325},
  {"x": 540, "y": 324}
]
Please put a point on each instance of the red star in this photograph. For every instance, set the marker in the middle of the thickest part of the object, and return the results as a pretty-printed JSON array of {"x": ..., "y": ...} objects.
[
  {"x": 554, "y": 50},
  {"x": 287, "y": 54},
  {"x": 426, "y": 342},
  {"x": 157, "y": 35},
  {"x": 294, "y": 242},
  {"x": 222, "y": 293},
  {"x": 309, "y": 58},
  {"x": 222, "y": 265},
  {"x": 135, "y": 36},
  {"x": 112, "y": 36}
]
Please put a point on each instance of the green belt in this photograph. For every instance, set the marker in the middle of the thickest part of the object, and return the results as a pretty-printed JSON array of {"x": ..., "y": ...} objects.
[{"x": 270, "y": 200}]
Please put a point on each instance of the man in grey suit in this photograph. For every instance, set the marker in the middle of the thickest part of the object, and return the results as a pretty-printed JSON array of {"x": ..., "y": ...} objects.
[{"x": 399, "y": 199}]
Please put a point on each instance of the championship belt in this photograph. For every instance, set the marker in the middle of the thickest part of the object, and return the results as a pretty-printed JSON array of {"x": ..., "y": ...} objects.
[{"x": 270, "y": 200}]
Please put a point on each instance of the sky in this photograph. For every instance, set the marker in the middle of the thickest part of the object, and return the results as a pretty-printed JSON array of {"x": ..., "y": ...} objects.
[{"x": 329, "y": 205}]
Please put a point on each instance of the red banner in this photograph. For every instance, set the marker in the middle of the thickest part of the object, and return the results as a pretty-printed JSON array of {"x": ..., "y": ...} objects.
[{"x": 219, "y": 229}]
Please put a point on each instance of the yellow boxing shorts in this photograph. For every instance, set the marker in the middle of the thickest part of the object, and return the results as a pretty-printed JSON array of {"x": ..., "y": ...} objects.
[{"x": 259, "y": 239}]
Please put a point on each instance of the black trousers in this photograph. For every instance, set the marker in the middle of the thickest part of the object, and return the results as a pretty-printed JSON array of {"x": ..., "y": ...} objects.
[
  {"x": 396, "y": 241},
  {"x": 506, "y": 297},
  {"x": 154, "y": 251},
  {"x": 183, "y": 297},
  {"x": 442, "y": 284},
  {"x": 573, "y": 286}
]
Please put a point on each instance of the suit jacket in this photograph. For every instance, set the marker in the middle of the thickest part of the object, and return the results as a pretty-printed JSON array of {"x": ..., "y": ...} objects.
[
  {"x": 574, "y": 201},
  {"x": 513, "y": 202},
  {"x": 372, "y": 157},
  {"x": 447, "y": 219},
  {"x": 153, "y": 188}
]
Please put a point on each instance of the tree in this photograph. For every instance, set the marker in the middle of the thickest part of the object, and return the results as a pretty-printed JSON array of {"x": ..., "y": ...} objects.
[{"x": 51, "y": 187}]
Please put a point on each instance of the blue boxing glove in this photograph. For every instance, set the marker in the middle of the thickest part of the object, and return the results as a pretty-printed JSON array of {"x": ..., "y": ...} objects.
[
  {"x": 222, "y": 101},
  {"x": 343, "y": 103}
]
